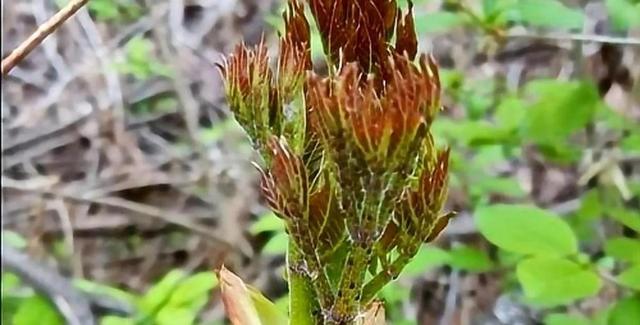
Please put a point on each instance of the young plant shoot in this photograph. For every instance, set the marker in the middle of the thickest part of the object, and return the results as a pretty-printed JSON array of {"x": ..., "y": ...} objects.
[{"x": 350, "y": 163}]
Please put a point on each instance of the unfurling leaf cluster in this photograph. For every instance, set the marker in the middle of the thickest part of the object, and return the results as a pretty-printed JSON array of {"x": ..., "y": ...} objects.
[{"x": 351, "y": 166}]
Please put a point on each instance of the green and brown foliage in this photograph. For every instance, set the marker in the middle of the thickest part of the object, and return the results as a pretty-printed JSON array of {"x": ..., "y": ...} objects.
[{"x": 352, "y": 167}]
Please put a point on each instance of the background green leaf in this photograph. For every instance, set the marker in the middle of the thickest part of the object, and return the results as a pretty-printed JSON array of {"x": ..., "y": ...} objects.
[
  {"x": 565, "y": 319},
  {"x": 277, "y": 244},
  {"x": 436, "y": 22},
  {"x": 526, "y": 229},
  {"x": 427, "y": 258},
  {"x": 560, "y": 109},
  {"x": 159, "y": 294},
  {"x": 552, "y": 281},
  {"x": 37, "y": 310},
  {"x": 630, "y": 277},
  {"x": 624, "y": 14},
  {"x": 625, "y": 312},
  {"x": 623, "y": 249},
  {"x": 547, "y": 13},
  {"x": 469, "y": 259},
  {"x": 193, "y": 288},
  {"x": 268, "y": 222}
]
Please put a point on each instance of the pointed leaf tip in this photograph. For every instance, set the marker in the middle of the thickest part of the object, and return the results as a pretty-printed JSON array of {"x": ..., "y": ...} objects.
[{"x": 236, "y": 299}]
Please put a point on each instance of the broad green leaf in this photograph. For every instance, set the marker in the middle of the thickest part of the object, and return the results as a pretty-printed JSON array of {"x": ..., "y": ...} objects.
[
  {"x": 477, "y": 98},
  {"x": 508, "y": 258},
  {"x": 427, "y": 258},
  {"x": 268, "y": 222},
  {"x": 37, "y": 310},
  {"x": 631, "y": 143},
  {"x": 495, "y": 11},
  {"x": 451, "y": 79},
  {"x": 623, "y": 249},
  {"x": 394, "y": 292},
  {"x": 561, "y": 152},
  {"x": 625, "y": 312},
  {"x": 13, "y": 238},
  {"x": 159, "y": 294},
  {"x": 624, "y": 14},
  {"x": 583, "y": 220},
  {"x": 526, "y": 229},
  {"x": 601, "y": 317},
  {"x": 117, "y": 320},
  {"x": 560, "y": 109},
  {"x": 507, "y": 186},
  {"x": 268, "y": 312},
  {"x": 631, "y": 277},
  {"x": 470, "y": 259},
  {"x": 8, "y": 308},
  {"x": 193, "y": 288},
  {"x": 552, "y": 281},
  {"x": 626, "y": 217},
  {"x": 9, "y": 281},
  {"x": 547, "y": 13},
  {"x": 590, "y": 206},
  {"x": 489, "y": 156},
  {"x": 173, "y": 315},
  {"x": 566, "y": 319},
  {"x": 510, "y": 112},
  {"x": 101, "y": 289},
  {"x": 277, "y": 244},
  {"x": 438, "y": 22},
  {"x": 472, "y": 133}
]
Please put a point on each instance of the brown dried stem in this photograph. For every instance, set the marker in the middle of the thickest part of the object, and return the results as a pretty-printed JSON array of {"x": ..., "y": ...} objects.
[{"x": 44, "y": 30}]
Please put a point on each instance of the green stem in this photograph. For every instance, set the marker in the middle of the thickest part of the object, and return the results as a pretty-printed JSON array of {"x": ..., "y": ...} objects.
[
  {"x": 310, "y": 261},
  {"x": 381, "y": 279},
  {"x": 303, "y": 305},
  {"x": 347, "y": 304}
]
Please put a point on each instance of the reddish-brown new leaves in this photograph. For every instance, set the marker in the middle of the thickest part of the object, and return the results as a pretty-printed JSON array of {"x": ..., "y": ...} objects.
[
  {"x": 295, "y": 51},
  {"x": 406, "y": 40},
  {"x": 382, "y": 123},
  {"x": 248, "y": 81},
  {"x": 419, "y": 209},
  {"x": 355, "y": 31},
  {"x": 351, "y": 165},
  {"x": 285, "y": 185}
]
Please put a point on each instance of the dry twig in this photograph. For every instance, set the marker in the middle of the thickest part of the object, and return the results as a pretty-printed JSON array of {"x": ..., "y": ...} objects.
[
  {"x": 73, "y": 305},
  {"x": 577, "y": 37},
  {"x": 40, "y": 34}
]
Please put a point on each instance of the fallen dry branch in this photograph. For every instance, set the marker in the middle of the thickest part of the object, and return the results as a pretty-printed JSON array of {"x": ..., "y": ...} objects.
[
  {"x": 40, "y": 34},
  {"x": 72, "y": 305}
]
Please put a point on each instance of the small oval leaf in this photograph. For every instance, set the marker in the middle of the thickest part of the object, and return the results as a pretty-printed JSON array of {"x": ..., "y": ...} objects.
[
  {"x": 630, "y": 277},
  {"x": 526, "y": 229},
  {"x": 552, "y": 281},
  {"x": 623, "y": 249}
]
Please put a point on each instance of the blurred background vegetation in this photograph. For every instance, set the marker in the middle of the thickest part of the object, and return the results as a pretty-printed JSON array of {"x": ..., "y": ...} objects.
[{"x": 125, "y": 181}]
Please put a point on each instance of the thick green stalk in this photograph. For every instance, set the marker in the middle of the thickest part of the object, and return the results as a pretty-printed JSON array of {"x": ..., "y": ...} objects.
[
  {"x": 303, "y": 305},
  {"x": 347, "y": 304},
  {"x": 313, "y": 266},
  {"x": 381, "y": 279}
]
